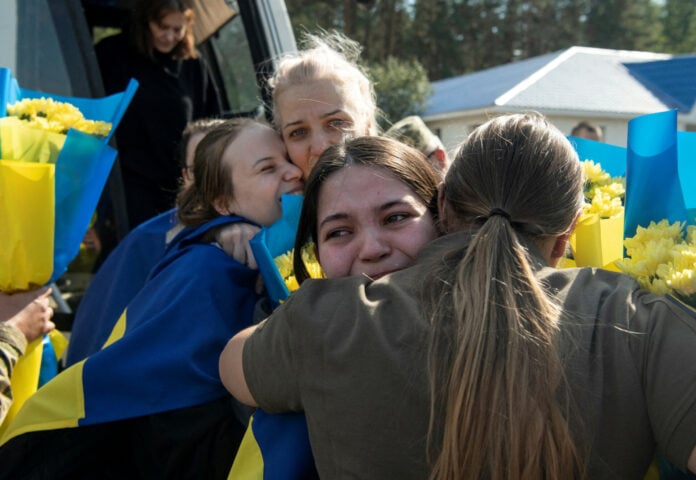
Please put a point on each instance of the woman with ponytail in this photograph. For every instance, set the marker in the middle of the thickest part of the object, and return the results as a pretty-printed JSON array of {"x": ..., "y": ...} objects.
[{"x": 484, "y": 361}]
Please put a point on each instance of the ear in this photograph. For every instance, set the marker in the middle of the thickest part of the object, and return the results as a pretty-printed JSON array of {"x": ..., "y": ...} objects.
[
  {"x": 221, "y": 205},
  {"x": 439, "y": 159},
  {"x": 559, "y": 245}
]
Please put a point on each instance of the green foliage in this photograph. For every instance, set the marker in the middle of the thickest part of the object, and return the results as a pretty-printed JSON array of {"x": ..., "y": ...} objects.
[
  {"x": 453, "y": 37},
  {"x": 402, "y": 88}
]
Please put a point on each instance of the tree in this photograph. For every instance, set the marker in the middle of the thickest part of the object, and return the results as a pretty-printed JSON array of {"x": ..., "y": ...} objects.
[{"x": 402, "y": 88}]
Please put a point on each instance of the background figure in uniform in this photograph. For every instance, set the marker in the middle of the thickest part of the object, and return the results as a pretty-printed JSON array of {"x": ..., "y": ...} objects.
[
  {"x": 413, "y": 131},
  {"x": 587, "y": 130},
  {"x": 175, "y": 87}
]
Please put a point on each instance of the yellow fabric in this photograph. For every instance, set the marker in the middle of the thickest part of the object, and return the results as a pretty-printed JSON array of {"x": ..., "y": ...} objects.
[
  {"x": 53, "y": 406},
  {"x": 653, "y": 472},
  {"x": 27, "y": 218},
  {"x": 25, "y": 376},
  {"x": 118, "y": 330},
  {"x": 598, "y": 242},
  {"x": 248, "y": 463}
]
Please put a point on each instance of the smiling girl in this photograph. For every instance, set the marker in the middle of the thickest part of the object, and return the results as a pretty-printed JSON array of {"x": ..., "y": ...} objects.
[{"x": 152, "y": 396}]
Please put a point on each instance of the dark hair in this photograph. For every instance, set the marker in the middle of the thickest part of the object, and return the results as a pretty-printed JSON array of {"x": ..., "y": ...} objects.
[
  {"x": 494, "y": 369},
  {"x": 211, "y": 176},
  {"x": 194, "y": 127},
  {"x": 407, "y": 164},
  {"x": 147, "y": 11},
  {"x": 592, "y": 129}
]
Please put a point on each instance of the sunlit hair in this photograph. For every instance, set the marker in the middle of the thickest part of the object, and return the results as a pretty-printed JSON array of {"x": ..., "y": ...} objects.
[
  {"x": 211, "y": 176},
  {"x": 155, "y": 10},
  {"x": 496, "y": 377},
  {"x": 194, "y": 127},
  {"x": 407, "y": 164},
  {"x": 331, "y": 57}
]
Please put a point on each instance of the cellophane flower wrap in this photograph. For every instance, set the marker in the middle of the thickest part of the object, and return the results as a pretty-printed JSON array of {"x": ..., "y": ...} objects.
[
  {"x": 54, "y": 163},
  {"x": 273, "y": 251},
  {"x": 661, "y": 206},
  {"x": 598, "y": 237}
]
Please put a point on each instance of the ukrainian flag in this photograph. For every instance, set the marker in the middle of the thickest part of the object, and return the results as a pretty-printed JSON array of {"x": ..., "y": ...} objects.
[
  {"x": 275, "y": 447},
  {"x": 161, "y": 359}
]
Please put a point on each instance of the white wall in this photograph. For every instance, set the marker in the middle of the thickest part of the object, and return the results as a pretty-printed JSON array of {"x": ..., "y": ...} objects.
[
  {"x": 8, "y": 34},
  {"x": 455, "y": 129}
]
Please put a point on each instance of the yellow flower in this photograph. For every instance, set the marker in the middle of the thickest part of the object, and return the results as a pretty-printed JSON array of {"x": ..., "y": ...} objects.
[
  {"x": 603, "y": 194},
  {"x": 285, "y": 268},
  {"x": 54, "y": 116},
  {"x": 662, "y": 257}
]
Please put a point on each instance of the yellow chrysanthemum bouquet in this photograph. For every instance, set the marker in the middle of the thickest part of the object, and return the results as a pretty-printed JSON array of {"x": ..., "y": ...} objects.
[
  {"x": 662, "y": 257},
  {"x": 54, "y": 162},
  {"x": 661, "y": 206},
  {"x": 598, "y": 237}
]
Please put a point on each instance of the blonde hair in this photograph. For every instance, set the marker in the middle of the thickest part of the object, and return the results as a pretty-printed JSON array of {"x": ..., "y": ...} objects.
[
  {"x": 495, "y": 372},
  {"x": 333, "y": 57}
]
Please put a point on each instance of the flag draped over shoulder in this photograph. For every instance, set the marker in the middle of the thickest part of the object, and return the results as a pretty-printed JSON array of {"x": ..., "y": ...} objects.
[
  {"x": 118, "y": 280},
  {"x": 161, "y": 357}
]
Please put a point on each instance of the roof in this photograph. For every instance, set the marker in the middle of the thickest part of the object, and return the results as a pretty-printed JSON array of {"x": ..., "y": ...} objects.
[
  {"x": 672, "y": 81},
  {"x": 578, "y": 79}
]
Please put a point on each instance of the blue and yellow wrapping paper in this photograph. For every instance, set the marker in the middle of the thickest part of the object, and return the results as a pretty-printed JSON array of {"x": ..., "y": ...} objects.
[
  {"x": 598, "y": 242},
  {"x": 276, "y": 240},
  {"x": 82, "y": 166},
  {"x": 660, "y": 172}
]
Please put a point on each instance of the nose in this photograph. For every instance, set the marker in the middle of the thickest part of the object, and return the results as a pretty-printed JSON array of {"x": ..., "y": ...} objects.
[
  {"x": 292, "y": 173},
  {"x": 320, "y": 142},
  {"x": 374, "y": 246}
]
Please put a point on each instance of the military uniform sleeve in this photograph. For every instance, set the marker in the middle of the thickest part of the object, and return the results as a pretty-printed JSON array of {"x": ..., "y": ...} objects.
[
  {"x": 12, "y": 345},
  {"x": 669, "y": 372},
  {"x": 269, "y": 362}
]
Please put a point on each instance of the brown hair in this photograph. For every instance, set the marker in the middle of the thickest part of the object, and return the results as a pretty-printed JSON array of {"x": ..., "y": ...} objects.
[
  {"x": 495, "y": 374},
  {"x": 194, "y": 127},
  {"x": 404, "y": 162},
  {"x": 211, "y": 176},
  {"x": 332, "y": 57},
  {"x": 147, "y": 11}
]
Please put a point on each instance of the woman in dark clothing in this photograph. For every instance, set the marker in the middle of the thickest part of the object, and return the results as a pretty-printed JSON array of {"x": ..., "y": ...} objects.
[{"x": 175, "y": 87}]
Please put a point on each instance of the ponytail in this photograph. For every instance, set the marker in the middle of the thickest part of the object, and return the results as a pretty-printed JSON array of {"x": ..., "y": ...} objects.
[{"x": 495, "y": 371}]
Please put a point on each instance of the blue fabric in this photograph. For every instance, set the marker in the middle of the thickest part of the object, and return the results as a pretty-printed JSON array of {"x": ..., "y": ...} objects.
[
  {"x": 82, "y": 169},
  {"x": 276, "y": 240},
  {"x": 653, "y": 186},
  {"x": 611, "y": 157},
  {"x": 195, "y": 300},
  {"x": 115, "y": 284},
  {"x": 284, "y": 443}
]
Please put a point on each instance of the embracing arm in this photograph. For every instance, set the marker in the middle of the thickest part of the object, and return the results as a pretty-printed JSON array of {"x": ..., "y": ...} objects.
[
  {"x": 692, "y": 461},
  {"x": 232, "y": 369}
]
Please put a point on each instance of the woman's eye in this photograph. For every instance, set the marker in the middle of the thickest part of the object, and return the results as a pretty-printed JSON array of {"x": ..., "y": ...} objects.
[
  {"x": 336, "y": 233},
  {"x": 397, "y": 217},
  {"x": 339, "y": 124},
  {"x": 297, "y": 133}
]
